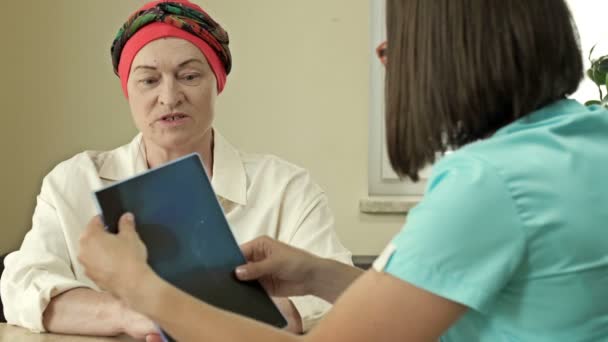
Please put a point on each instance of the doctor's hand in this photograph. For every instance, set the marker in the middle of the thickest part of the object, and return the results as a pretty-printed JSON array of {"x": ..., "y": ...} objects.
[
  {"x": 115, "y": 262},
  {"x": 282, "y": 270}
]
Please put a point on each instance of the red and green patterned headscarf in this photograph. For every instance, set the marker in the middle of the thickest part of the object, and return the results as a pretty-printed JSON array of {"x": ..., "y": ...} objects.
[{"x": 172, "y": 18}]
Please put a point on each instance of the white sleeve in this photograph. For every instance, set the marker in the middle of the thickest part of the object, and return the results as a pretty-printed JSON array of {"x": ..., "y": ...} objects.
[
  {"x": 315, "y": 233},
  {"x": 40, "y": 269}
]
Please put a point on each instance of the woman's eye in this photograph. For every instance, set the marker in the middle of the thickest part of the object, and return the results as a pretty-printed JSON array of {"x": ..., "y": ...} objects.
[
  {"x": 148, "y": 81},
  {"x": 190, "y": 77}
]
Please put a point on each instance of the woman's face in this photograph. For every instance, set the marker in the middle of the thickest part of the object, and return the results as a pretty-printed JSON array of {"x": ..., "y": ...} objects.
[{"x": 172, "y": 92}]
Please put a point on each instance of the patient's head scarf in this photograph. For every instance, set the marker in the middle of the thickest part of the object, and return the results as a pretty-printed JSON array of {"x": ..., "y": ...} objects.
[{"x": 172, "y": 18}]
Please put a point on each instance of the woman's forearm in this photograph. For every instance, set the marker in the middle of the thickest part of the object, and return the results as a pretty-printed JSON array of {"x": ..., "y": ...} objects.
[
  {"x": 331, "y": 278},
  {"x": 83, "y": 311},
  {"x": 160, "y": 301}
]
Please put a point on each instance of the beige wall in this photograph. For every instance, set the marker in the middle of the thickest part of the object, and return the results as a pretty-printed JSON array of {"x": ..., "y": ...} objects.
[{"x": 299, "y": 89}]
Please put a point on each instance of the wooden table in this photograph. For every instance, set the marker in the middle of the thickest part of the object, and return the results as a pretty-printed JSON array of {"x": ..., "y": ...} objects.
[{"x": 9, "y": 333}]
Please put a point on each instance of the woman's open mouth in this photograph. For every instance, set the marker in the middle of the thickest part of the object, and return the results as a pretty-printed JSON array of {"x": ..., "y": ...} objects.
[{"x": 173, "y": 119}]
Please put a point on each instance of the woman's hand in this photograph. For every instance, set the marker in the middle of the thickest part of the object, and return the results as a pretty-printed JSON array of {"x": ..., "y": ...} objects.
[
  {"x": 115, "y": 262},
  {"x": 286, "y": 271},
  {"x": 282, "y": 270},
  {"x": 139, "y": 326}
]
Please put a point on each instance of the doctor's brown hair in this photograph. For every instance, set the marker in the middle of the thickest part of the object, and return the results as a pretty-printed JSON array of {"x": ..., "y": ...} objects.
[{"x": 458, "y": 70}]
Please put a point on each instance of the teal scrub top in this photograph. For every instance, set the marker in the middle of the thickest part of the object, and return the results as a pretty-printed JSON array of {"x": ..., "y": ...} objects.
[{"x": 515, "y": 227}]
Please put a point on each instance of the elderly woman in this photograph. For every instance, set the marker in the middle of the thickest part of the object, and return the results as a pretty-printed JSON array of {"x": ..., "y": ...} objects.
[{"x": 172, "y": 59}]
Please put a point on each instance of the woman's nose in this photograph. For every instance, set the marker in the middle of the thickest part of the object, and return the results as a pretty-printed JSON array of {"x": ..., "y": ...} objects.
[{"x": 170, "y": 94}]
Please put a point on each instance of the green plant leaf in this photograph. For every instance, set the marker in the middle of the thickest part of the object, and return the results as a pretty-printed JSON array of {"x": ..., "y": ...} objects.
[
  {"x": 602, "y": 64},
  {"x": 591, "y": 52},
  {"x": 593, "y": 102},
  {"x": 598, "y": 72},
  {"x": 596, "y": 76}
]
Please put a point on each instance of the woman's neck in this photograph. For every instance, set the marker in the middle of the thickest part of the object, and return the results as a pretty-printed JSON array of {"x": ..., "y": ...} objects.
[{"x": 157, "y": 155}]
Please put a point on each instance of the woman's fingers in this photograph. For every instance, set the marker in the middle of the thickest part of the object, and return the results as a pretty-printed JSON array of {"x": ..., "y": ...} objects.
[
  {"x": 126, "y": 224},
  {"x": 256, "y": 270},
  {"x": 259, "y": 248}
]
